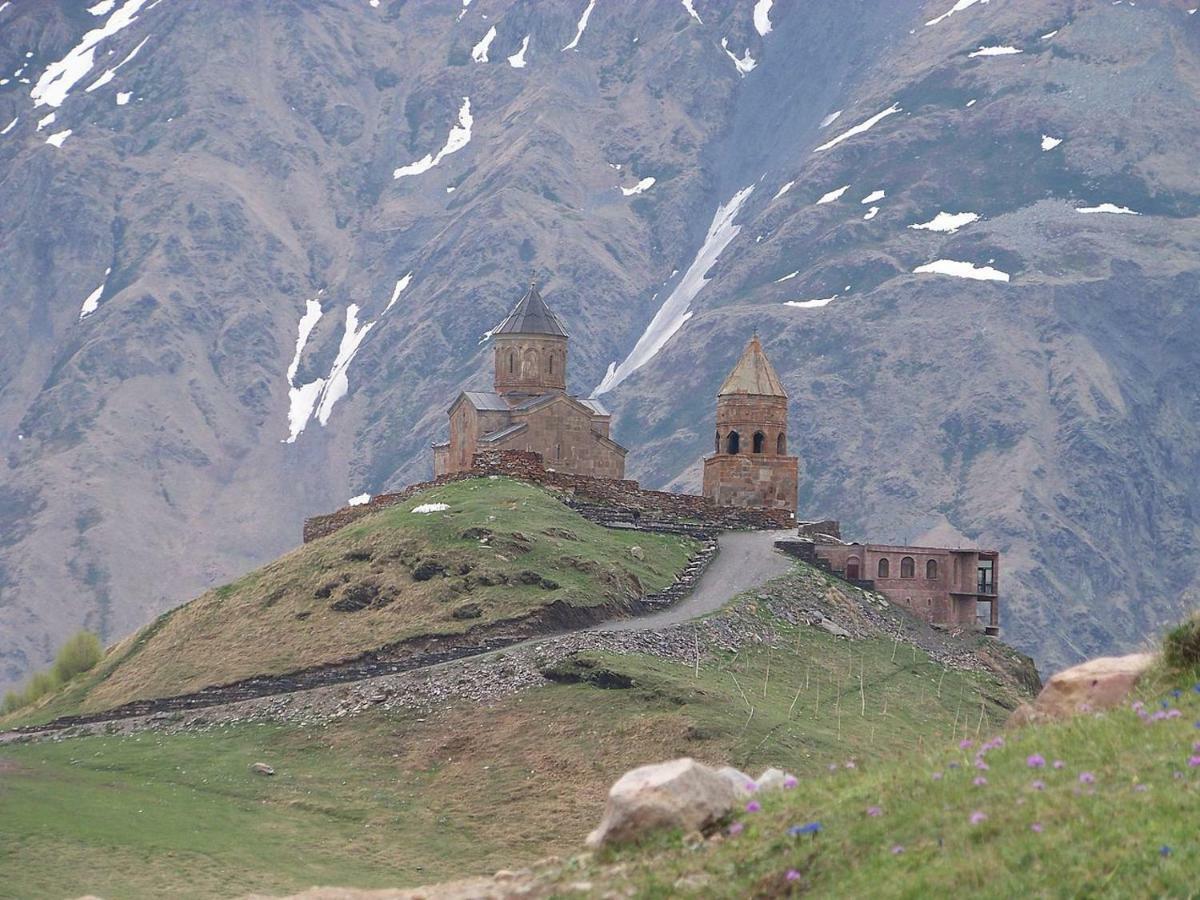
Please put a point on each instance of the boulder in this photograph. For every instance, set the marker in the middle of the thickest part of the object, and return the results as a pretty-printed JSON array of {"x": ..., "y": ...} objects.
[
  {"x": 261, "y": 768},
  {"x": 637, "y": 552},
  {"x": 681, "y": 794},
  {"x": 741, "y": 782},
  {"x": 1088, "y": 687},
  {"x": 772, "y": 779}
]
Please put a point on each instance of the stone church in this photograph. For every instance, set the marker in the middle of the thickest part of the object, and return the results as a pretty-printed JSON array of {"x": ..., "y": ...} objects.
[
  {"x": 750, "y": 466},
  {"x": 529, "y": 408}
]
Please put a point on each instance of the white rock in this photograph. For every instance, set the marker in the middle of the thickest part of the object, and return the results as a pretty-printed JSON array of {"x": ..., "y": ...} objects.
[{"x": 739, "y": 779}]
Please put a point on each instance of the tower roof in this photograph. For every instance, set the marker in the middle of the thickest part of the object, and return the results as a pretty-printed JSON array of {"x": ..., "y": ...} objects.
[
  {"x": 531, "y": 315},
  {"x": 753, "y": 374}
]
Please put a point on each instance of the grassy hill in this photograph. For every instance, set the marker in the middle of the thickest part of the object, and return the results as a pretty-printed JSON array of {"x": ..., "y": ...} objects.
[
  {"x": 499, "y": 550},
  {"x": 405, "y": 796}
]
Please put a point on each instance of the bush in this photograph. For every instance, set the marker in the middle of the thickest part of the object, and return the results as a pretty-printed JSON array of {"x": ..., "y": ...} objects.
[
  {"x": 77, "y": 655},
  {"x": 1181, "y": 647}
]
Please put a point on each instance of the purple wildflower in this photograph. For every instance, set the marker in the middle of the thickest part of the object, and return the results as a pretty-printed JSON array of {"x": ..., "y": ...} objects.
[
  {"x": 981, "y": 765},
  {"x": 1087, "y": 778},
  {"x": 1176, "y": 693},
  {"x": 1164, "y": 850},
  {"x": 965, "y": 744},
  {"x": 978, "y": 816},
  {"x": 937, "y": 776},
  {"x": 897, "y": 849},
  {"x": 833, "y": 767},
  {"x": 751, "y": 787},
  {"x": 1038, "y": 785},
  {"x": 1194, "y": 761},
  {"x": 874, "y": 811},
  {"x": 980, "y": 781},
  {"x": 850, "y": 764},
  {"x": 1035, "y": 761},
  {"x": 1059, "y": 764},
  {"x": 735, "y": 829},
  {"x": 1036, "y": 827},
  {"x": 806, "y": 828},
  {"x": 1173, "y": 714},
  {"x": 1141, "y": 788},
  {"x": 792, "y": 875},
  {"x": 753, "y": 806},
  {"x": 790, "y": 782}
]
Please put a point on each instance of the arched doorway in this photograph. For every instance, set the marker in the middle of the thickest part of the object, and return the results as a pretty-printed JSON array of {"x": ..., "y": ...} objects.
[
  {"x": 732, "y": 443},
  {"x": 853, "y": 568},
  {"x": 760, "y": 440}
]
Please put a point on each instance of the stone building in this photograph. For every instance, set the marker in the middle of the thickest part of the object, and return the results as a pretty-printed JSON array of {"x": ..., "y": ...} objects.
[
  {"x": 529, "y": 408},
  {"x": 750, "y": 465},
  {"x": 940, "y": 585}
]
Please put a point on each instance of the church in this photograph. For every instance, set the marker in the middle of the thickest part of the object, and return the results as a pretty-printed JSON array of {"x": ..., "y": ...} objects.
[{"x": 529, "y": 408}]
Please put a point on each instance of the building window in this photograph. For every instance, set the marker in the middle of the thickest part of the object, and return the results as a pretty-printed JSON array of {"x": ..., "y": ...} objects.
[
  {"x": 759, "y": 440},
  {"x": 510, "y": 364},
  {"x": 732, "y": 443},
  {"x": 908, "y": 568},
  {"x": 558, "y": 451},
  {"x": 717, "y": 443},
  {"x": 931, "y": 569},
  {"x": 551, "y": 363},
  {"x": 884, "y": 568},
  {"x": 781, "y": 444}
]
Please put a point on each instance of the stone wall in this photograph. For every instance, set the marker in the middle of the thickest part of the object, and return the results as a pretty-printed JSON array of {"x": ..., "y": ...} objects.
[
  {"x": 626, "y": 501},
  {"x": 752, "y": 480}
]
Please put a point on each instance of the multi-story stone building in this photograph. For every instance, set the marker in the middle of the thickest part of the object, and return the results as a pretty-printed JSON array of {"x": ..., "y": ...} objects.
[
  {"x": 750, "y": 465},
  {"x": 529, "y": 408}
]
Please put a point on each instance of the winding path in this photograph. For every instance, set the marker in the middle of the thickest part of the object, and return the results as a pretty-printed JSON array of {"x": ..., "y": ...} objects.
[{"x": 746, "y": 560}]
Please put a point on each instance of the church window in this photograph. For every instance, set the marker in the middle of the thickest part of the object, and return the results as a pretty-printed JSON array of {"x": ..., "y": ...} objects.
[
  {"x": 717, "y": 444},
  {"x": 884, "y": 568},
  {"x": 759, "y": 440},
  {"x": 511, "y": 364},
  {"x": 908, "y": 568},
  {"x": 931, "y": 569},
  {"x": 732, "y": 443},
  {"x": 551, "y": 363},
  {"x": 781, "y": 444}
]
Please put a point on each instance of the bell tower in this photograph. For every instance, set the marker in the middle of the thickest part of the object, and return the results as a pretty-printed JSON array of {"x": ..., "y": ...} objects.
[
  {"x": 531, "y": 349},
  {"x": 750, "y": 465}
]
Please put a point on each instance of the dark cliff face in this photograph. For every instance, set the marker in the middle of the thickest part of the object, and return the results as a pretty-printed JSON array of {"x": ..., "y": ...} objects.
[{"x": 233, "y": 188}]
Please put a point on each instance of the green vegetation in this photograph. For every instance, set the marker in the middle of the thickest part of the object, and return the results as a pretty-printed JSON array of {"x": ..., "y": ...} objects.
[
  {"x": 78, "y": 655},
  {"x": 503, "y": 550},
  {"x": 403, "y": 798},
  {"x": 1181, "y": 646}
]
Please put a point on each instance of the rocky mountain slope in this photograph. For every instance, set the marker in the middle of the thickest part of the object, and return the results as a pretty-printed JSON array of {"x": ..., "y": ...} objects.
[{"x": 258, "y": 248}]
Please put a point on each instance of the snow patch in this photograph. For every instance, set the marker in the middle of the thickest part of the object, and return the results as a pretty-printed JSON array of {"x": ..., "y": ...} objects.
[
  {"x": 479, "y": 52},
  {"x": 873, "y": 196},
  {"x": 58, "y": 79},
  {"x": 1109, "y": 208},
  {"x": 871, "y": 213},
  {"x": 583, "y": 21},
  {"x": 994, "y": 51},
  {"x": 103, "y": 8},
  {"x": 830, "y": 119},
  {"x": 426, "y": 508},
  {"x": 641, "y": 187},
  {"x": 957, "y": 7},
  {"x": 690, "y": 6},
  {"x": 971, "y": 103},
  {"x": 783, "y": 190},
  {"x": 460, "y": 136},
  {"x": 1048, "y": 35},
  {"x": 303, "y": 399},
  {"x": 788, "y": 277},
  {"x": 123, "y": 97},
  {"x": 947, "y": 223},
  {"x": 10, "y": 126},
  {"x": 834, "y": 195},
  {"x": 674, "y": 311},
  {"x": 743, "y": 65},
  {"x": 961, "y": 270},
  {"x": 46, "y": 120},
  {"x": 338, "y": 384},
  {"x": 361, "y": 499},
  {"x": 56, "y": 140},
  {"x": 762, "y": 16},
  {"x": 810, "y": 304},
  {"x": 400, "y": 286},
  {"x": 92, "y": 303},
  {"x": 860, "y": 128},
  {"x": 1049, "y": 143},
  {"x": 109, "y": 74},
  {"x": 517, "y": 60}
]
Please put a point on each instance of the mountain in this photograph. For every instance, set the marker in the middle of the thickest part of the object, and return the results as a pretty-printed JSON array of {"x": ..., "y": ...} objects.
[{"x": 259, "y": 247}]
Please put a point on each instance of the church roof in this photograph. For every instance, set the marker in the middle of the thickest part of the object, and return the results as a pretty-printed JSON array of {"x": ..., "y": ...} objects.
[
  {"x": 486, "y": 400},
  {"x": 753, "y": 374},
  {"x": 531, "y": 315}
]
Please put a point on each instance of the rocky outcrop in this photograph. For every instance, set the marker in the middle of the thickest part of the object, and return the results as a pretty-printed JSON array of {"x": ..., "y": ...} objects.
[
  {"x": 678, "y": 794},
  {"x": 1095, "y": 685}
]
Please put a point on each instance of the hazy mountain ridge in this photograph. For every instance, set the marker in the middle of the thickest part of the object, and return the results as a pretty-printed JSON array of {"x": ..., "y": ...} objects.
[{"x": 251, "y": 170}]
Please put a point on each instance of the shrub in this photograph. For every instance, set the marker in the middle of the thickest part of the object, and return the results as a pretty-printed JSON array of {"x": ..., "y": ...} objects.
[
  {"x": 77, "y": 655},
  {"x": 1181, "y": 646}
]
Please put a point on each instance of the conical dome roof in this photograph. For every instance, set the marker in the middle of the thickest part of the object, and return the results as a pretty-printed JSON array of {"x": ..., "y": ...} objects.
[
  {"x": 753, "y": 374},
  {"x": 531, "y": 315}
]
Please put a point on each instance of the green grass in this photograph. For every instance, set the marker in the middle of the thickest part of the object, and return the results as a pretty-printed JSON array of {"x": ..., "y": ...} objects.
[
  {"x": 404, "y": 798},
  {"x": 1105, "y": 838},
  {"x": 281, "y": 618}
]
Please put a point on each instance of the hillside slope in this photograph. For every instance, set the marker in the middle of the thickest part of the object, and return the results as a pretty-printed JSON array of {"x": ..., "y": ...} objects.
[
  {"x": 488, "y": 762},
  {"x": 214, "y": 331}
]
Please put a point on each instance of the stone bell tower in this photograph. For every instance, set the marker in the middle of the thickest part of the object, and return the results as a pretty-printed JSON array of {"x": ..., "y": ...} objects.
[
  {"x": 531, "y": 350},
  {"x": 750, "y": 466}
]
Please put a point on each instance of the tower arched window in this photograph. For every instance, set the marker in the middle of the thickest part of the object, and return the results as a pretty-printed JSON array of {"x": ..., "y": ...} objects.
[
  {"x": 717, "y": 443},
  {"x": 760, "y": 441},
  {"x": 511, "y": 363},
  {"x": 931, "y": 570},
  {"x": 551, "y": 359},
  {"x": 884, "y": 568},
  {"x": 908, "y": 568},
  {"x": 781, "y": 444},
  {"x": 732, "y": 443}
]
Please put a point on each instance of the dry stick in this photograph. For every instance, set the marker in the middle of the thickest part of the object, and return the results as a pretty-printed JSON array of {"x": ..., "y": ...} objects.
[
  {"x": 862, "y": 693},
  {"x": 807, "y": 670},
  {"x": 748, "y": 718},
  {"x": 792, "y": 708},
  {"x": 980, "y": 725},
  {"x": 895, "y": 645},
  {"x": 817, "y": 711},
  {"x": 696, "y": 635},
  {"x": 940, "y": 681},
  {"x": 767, "y": 678},
  {"x": 740, "y": 691}
]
